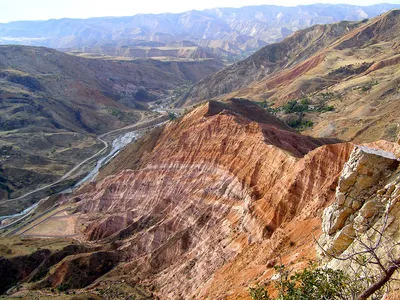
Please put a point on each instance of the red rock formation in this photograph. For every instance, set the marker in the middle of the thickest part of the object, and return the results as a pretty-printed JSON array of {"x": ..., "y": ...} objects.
[{"x": 226, "y": 180}]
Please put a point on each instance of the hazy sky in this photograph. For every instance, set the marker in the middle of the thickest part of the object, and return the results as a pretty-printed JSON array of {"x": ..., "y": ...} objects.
[{"x": 13, "y": 10}]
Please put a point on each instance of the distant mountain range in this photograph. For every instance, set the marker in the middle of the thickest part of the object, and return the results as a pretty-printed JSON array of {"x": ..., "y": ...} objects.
[{"x": 226, "y": 33}]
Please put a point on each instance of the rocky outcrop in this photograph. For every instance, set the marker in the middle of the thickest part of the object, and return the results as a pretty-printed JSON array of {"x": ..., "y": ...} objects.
[{"x": 362, "y": 195}]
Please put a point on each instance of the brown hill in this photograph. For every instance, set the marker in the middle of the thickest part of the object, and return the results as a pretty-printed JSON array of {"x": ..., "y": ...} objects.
[
  {"x": 52, "y": 105},
  {"x": 269, "y": 60},
  {"x": 208, "y": 204},
  {"x": 347, "y": 65}
]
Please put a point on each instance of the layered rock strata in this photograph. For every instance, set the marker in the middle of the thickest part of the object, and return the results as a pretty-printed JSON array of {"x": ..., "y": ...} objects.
[
  {"x": 226, "y": 178},
  {"x": 205, "y": 206}
]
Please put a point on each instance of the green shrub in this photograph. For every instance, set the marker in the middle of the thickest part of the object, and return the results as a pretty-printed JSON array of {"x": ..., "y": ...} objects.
[
  {"x": 172, "y": 116},
  {"x": 300, "y": 124},
  {"x": 366, "y": 87},
  {"x": 296, "y": 106},
  {"x": 259, "y": 293},
  {"x": 27, "y": 81},
  {"x": 311, "y": 283},
  {"x": 267, "y": 106},
  {"x": 263, "y": 104},
  {"x": 63, "y": 287},
  {"x": 305, "y": 101}
]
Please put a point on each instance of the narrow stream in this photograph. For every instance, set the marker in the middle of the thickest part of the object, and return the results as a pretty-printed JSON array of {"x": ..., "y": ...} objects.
[
  {"x": 117, "y": 145},
  {"x": 22, "y": 213}
]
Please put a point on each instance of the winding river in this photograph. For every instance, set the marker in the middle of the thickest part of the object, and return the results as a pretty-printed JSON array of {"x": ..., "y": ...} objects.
[{"x": 117, "y": 145}]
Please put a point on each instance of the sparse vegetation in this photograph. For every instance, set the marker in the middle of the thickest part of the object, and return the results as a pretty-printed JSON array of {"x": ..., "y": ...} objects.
[
  {"x": 295, "y": 106},
  {"x": 367, "y": 87},
  {"x": 300, "y": 124},
  {"x": 27, "y": 81},
  {"x": 268, "y": 106},
  {"x": 116, "y": 112},
  {"x": 348, "y": 70},
  {"x": 172, "y": 116},
  {"x": 305, "y": 105},
  {"x": 327, "y": 96},
  {"x": 298, "y": 108},
  {"x": 310, "y": 283},
  {"x": 62, "y": 287},
  {"x": 259, "y": 293}
]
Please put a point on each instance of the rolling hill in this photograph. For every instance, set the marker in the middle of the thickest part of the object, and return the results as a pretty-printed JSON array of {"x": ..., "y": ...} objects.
[
  {"x": 52, "y": 106},
  {"x": 346, "y": 75}
]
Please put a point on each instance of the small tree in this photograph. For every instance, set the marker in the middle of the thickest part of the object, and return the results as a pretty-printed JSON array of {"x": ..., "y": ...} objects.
[
  {"x": 172, "y": 116},
  {"x": 311, "y": 283}
]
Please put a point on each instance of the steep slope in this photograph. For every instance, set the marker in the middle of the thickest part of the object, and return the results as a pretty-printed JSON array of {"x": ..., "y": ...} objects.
[
  {"x": 245, "y": 29},
  {"x": 348, "y": 66},
  {"x": 191, "y": 200},
  {"x": 206, "y": 205},
  {"x": 52, "y": 104},
  {"x": 269, "y": 60},
  {"x": 202, "y": 208}
]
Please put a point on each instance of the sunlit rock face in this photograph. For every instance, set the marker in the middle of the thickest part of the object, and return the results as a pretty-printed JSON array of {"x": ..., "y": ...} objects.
[{"x": 366, "y": 189}]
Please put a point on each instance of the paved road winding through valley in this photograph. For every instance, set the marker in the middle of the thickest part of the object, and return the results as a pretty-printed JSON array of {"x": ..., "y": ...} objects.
[{"x": 101, "y": 138}]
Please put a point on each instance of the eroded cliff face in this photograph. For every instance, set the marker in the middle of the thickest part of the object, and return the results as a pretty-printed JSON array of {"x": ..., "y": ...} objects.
[
  {"x": 218, "y": 194},
  {"x": 365, "y": 213},
  {"x": 205, "y": 206},
  {"x": 360, "y": 197}
]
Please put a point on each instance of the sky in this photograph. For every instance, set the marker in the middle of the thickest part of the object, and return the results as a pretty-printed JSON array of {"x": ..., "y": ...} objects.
[{"x": 17, "y": 10}]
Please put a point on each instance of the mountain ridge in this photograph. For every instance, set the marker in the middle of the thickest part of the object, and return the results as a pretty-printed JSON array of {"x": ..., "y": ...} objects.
[
  {"x": 230, "y": 33},
  {"x": 214, "y": 202},
  {"x": 220, "y": 156},
  {"x": 346, "y": 70}
]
